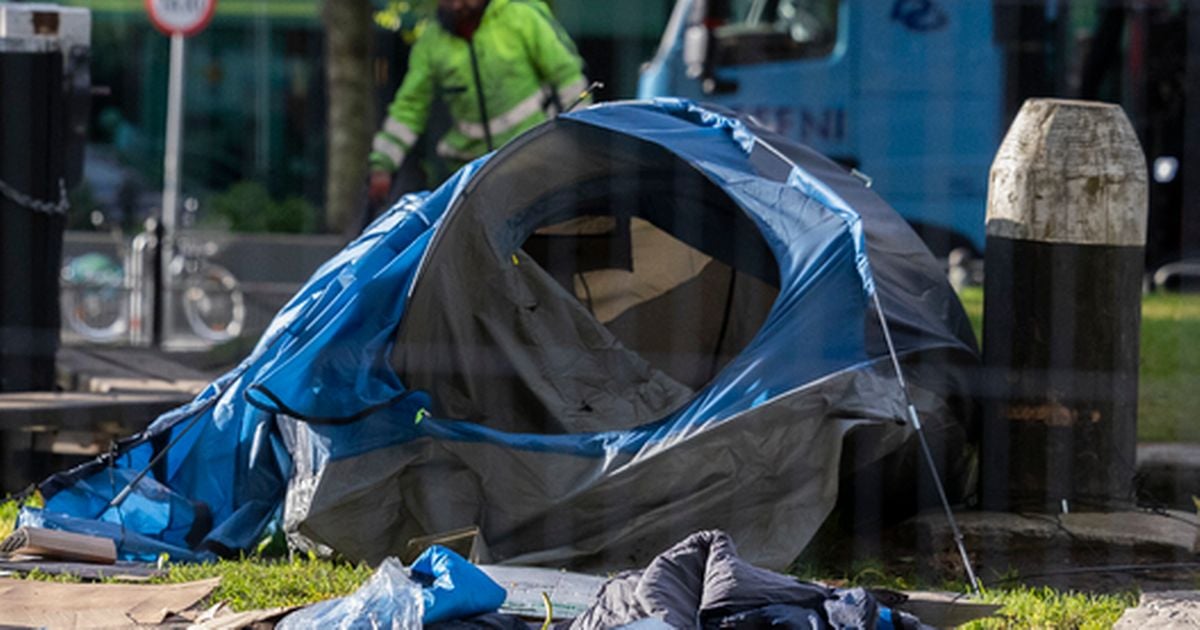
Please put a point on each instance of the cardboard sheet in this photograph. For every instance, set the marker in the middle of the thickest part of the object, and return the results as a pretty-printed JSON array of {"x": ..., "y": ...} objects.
[
  {"x": 53, "y": 605},
  {"x": 222, "y": 618}
]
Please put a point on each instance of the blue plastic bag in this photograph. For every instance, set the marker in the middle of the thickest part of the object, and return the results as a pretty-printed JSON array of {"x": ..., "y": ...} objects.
[{"x": 453, "y": 588}]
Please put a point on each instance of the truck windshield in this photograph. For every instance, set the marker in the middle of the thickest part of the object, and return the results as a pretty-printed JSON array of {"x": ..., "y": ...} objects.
[{"x": 753, "y": 31}]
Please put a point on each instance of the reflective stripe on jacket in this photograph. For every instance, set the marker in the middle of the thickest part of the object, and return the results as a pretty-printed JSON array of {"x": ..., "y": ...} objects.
[{"x": 526, "y": 64}]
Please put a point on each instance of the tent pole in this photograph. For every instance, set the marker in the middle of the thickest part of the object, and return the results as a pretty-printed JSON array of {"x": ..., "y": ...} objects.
[
  {"x": 912, "y": 411},
  {"x": 916, "y": 422},
  {"x": 129, "y": 487}
]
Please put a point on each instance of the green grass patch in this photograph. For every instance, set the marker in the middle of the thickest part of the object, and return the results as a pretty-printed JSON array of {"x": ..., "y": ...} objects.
[
  {"x": 1168, "y": 395},
  {"x": 1041, "y": 607},
  {"x": 9, "y": 509},
  {"x": 1169, "y": 363},
  {"x": 256, "y": 583},
  {"x": 8, "y": 517},
  {"x": 972, "y": 301}
]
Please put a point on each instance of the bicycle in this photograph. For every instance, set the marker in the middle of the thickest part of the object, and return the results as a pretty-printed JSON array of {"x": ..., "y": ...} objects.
[
  {"x": 93, "y": 297},
  {"x": 107, "y": 302},
  {"x": 213, "y": 304}
]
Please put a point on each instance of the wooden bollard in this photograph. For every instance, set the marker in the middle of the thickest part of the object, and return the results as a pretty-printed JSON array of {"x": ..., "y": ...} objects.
[{"x": 1066, "y": 230}]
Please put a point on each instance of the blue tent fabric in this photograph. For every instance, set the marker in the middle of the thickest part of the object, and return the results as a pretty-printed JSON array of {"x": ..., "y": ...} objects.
[
  {"x": 224, "y": 452},
  {"x": 295, "y": 434}
]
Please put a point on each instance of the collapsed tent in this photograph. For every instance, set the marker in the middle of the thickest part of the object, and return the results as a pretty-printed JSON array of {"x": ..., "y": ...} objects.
[{"x": 634, "y": 322}]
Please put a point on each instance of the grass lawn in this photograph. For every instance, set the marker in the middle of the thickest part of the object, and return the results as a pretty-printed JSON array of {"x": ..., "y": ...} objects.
[
  {"x": 8, "y": 516},
  {"x": 1169, "y": 383},
  {"x": 260, "y": 583},
  {"x": 1026, "y": 607}
]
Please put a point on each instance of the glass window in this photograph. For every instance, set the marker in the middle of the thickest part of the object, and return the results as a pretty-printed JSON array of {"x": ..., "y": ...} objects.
[{"x": 757, "y": 31}]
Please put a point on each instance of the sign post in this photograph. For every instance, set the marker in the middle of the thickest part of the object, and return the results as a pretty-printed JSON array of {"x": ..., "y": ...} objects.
[{"x": 178, "y": 19}]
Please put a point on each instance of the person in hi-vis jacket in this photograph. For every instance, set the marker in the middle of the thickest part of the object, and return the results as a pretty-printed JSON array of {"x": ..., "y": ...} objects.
[{"x": 502, "y": 66}]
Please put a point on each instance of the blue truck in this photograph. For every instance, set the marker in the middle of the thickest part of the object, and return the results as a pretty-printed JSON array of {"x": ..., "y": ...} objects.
[
  {"x": 917, "y": 94},
  {"x": 909, "y": 93}
]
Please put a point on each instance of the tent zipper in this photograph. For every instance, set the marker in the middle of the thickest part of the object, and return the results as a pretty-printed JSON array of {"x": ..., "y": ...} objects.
[{"x": 483, "y": 115}]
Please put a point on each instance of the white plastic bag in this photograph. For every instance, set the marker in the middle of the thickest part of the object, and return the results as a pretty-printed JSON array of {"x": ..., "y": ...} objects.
[{"x": 389, "y": 600}]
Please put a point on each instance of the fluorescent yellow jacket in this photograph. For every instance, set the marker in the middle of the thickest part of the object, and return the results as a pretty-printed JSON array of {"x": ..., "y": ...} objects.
[{"x": 521, "y": 58}]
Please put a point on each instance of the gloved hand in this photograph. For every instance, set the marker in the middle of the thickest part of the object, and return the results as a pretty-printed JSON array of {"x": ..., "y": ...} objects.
[{"x": 379, "y": 187}]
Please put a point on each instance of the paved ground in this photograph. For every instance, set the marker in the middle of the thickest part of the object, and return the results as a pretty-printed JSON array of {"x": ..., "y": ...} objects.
[
  {"x": 1169, "y": 473},
  {"x": 1163, "y": 610},
  {"x": 1099, "y": 552}
]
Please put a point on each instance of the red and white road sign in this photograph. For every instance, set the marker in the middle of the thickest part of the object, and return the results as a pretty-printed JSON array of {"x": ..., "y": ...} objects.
[{"x": 183, "y": 17}]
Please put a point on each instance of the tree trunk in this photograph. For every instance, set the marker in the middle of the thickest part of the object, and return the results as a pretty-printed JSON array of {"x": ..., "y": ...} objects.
[{"x": 351, "y": 115}]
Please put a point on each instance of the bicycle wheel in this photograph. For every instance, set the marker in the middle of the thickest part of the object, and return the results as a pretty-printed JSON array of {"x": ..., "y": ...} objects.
[
  {"x": 94, "y": 301},
  {"x": 213, "y": 305}
]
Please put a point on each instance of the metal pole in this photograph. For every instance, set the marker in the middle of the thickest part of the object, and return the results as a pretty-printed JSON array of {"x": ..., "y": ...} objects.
[
  {"x": 170, "y": 200},
  {"x": 157, "y": 279},
  {"x": 915, "y": 418}
]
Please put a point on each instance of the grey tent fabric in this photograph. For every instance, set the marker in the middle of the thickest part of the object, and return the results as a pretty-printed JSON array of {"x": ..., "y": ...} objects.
[
  {"x": 498, "y": 330},
  {"x": 528, "y": 357},
  {"x": 630, "y": 507}
]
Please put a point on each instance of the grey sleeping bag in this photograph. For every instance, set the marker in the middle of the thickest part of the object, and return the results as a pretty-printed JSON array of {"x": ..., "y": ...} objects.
[{"x": 701, "y": 582}]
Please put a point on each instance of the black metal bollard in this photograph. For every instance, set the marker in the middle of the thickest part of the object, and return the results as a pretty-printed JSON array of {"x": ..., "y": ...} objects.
[
  {"x": 1066, "y": 228},
  {"x": 32, "y": 212}
]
